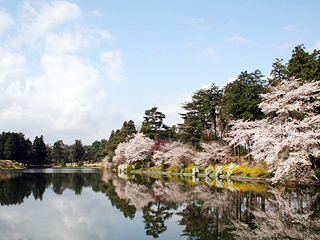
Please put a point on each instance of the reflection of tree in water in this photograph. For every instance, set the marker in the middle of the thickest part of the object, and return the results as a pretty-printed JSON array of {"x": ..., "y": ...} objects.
[
  {"x": 289, "y": 215},
  {"x": 15, "y": 188},
  {"x": 122, "y": 204},
  {"x": 154, "y": 215},
  {"x": 205, "y": 212},
  {"x": 198, "y": 222}
]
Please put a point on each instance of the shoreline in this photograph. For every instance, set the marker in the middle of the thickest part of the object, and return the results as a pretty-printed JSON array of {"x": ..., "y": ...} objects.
[{"x": 236, "y": 178}]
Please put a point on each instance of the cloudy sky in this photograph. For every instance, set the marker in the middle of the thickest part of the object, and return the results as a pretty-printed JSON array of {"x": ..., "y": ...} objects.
[{"x": 78, "y": 69}]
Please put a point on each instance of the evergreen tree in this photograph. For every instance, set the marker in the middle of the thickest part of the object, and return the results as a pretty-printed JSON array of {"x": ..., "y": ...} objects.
[
  {"x": 279, "y": 73},
  {"x": 152, "y": 124},
  {"x": 40, "y": 151},
  {"x": 78, "y": 153},
  {"x": 201, "y": 116},
  {"x": 304, "y": 65},
  {"x": 241, "y": 97}
]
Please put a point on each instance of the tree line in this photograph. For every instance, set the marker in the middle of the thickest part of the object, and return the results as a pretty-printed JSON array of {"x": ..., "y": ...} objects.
[{"x": 211, "y": 115}]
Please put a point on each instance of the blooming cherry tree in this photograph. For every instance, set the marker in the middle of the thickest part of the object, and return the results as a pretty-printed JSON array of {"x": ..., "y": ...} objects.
[
  {"x": 289, "y": 138},
  {"x": 174, "y": 154},
  {"x": 137, "y": 149},
  {"x": 213, "y": 152}
]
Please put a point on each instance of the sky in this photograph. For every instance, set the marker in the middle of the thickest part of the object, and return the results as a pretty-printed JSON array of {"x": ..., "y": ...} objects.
[{"x": 78, "y": 69}]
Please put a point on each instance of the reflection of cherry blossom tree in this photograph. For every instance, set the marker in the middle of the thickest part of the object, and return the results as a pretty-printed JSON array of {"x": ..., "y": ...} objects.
[
  {"x": 282, "y": 220},
  {"x": 207, "y": 211}
]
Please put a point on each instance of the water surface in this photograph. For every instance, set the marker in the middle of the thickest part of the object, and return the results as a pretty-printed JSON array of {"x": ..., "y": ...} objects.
[{"x": 95, "y": 204}]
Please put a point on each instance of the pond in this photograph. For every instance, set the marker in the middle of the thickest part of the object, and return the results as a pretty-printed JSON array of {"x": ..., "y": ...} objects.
[{"x": 96, "y": 204}]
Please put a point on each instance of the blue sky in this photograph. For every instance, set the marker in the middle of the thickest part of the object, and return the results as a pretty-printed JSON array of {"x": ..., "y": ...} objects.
[{"x": 78, "y": 69}]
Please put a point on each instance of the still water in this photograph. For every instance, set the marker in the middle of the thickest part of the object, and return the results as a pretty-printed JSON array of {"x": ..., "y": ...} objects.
[{"x": 95, "y": 204}]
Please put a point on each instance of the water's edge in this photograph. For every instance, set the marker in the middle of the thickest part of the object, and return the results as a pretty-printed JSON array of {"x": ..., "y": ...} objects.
[{"x": 237, "y": 178}]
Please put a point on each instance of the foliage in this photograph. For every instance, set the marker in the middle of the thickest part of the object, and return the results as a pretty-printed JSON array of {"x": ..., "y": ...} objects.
[
  {"x": 241, "y": 98},
  {"x": 174, "y": 169},
  {"x": 278, "y": 74},
  {"x": 78, "y": 153},
  {"x": 208, "y": 170},
  {"x": 304, "y": 65},
  {"x": 152, "y": 124},
  {"x": 201, "y": 116},
  {"x": 40, "y": 151},
  {"x": 189, "y": 168},
  {"x": 317, "y": 172}
]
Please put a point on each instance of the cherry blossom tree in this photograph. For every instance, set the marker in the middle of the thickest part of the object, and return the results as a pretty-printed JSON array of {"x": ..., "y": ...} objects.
[
  {"x": 174, "y": 154},
  {"x": 241, "y": 133},
  {"x": 289, "y": 139},
  {"x": 213, "y": 153},
  {"x": 137, "y": 149}
]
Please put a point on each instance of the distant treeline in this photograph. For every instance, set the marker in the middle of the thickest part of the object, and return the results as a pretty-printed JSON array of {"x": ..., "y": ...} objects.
[{"x": 14, "y": 146}]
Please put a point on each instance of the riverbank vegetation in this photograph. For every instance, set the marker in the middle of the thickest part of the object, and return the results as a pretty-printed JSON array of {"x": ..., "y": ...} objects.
[{"x": 259, "y": 126}]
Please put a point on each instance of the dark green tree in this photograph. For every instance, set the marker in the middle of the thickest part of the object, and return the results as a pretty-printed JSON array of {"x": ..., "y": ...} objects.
[
  {"x": 40, "y": 151},
  {"x": 241, "y": 98},
  {"x": 78, "y": 153},
  {"x": 152, "y": 124},
  {"x": 304, "y": 65},
  {"x": 12, "y": 149},
  {"x": 57, "y": 152},
  {"x": 201, "y": 115},
  {"x": 278, "y": 73}
]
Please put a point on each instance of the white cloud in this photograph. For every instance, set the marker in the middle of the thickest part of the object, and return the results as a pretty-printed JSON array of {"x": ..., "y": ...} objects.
[
  {"x": 208, "y": 86},
  {"x": 290, "y": 44},
  {"x": 41, "y": 17},
  {"x": 290, "y": 28},
  {"x": 230, "y": 80},
  {"x": 240, "y": 40},
  {"x": 209, "y": 52},
  {"x": 114, "y": 64},
  {"x": 199, "y": 23},
  {"x": 6, "y": 22},
  {"x": 55, "y": 91}
]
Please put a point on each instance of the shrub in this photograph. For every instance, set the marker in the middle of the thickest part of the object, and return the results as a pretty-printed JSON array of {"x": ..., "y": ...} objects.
[
  {"x": 174, "y": 169},
  {"x": 80, "y": 164},
  {"x": 189, "y": 168},
  {"x": 257, "y": 172}
]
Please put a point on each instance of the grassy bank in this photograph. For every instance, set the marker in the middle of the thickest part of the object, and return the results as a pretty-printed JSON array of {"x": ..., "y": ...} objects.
[{"x": 9, "y": 165}]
